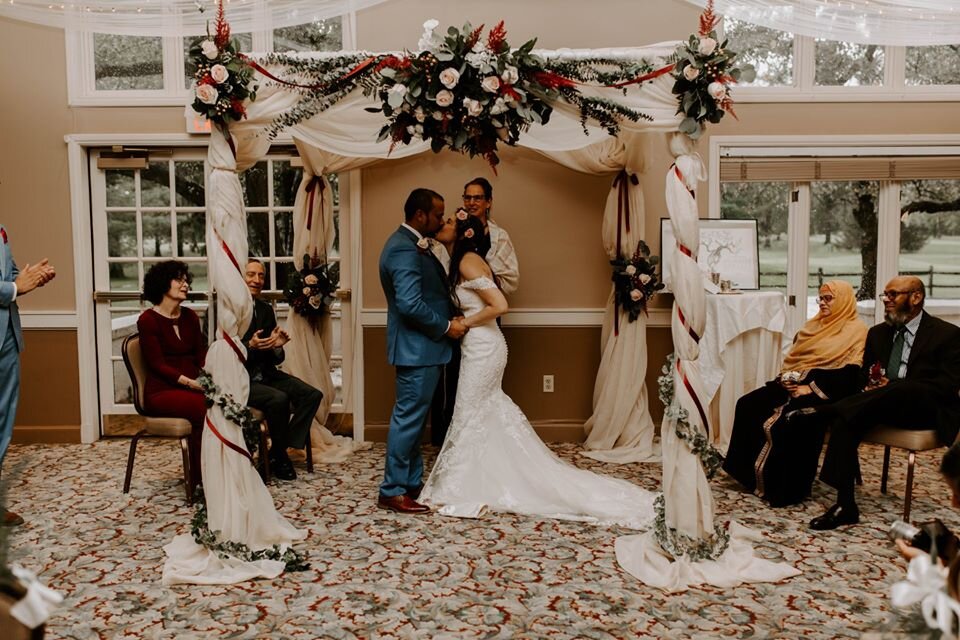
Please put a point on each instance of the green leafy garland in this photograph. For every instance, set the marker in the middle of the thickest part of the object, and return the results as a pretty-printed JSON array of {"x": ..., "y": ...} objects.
[
  {"x": 232, "y": 410},
  {"x": 674, "y": 542},
  {"x": 292, "y": 559}
]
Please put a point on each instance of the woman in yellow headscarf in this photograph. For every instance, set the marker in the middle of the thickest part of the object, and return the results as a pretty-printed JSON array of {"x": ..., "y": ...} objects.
[{"x": 770, "y": 455}]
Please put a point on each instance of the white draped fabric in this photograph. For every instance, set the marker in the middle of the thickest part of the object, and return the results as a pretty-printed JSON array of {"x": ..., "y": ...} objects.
[
  {"x": 239, "y": 506},
  {"x": 621, "y": 429},
  {"x": 314, "y": 232},
  {"x": 689, "y": 506},
  {"x": 894, "y": 22}
]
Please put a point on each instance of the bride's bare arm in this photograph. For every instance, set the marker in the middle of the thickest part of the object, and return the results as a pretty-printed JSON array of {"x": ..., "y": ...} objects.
[{"x": 471, "y": 267}]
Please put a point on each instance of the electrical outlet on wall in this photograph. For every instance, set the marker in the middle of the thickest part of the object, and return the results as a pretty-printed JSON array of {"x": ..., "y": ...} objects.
[{"x": 548, "y": 383}]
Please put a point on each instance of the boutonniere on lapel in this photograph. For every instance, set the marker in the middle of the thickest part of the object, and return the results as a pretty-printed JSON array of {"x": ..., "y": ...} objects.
[
  {"x": 423, "y": 245},
  {"x": 3, "y": 232}
]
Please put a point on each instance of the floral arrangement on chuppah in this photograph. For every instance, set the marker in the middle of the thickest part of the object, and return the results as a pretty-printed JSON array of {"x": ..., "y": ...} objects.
[
  {"x": 222, "y": 78},
  {"x": 635, "y": 281},
  {"x": 311, "y": 290}
]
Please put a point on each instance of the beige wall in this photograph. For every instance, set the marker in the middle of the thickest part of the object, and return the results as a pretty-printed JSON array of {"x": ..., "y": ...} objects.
[{"x": 552, "y": 213}]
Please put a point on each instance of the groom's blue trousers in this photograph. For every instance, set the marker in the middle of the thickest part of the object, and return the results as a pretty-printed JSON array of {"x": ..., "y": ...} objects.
[
  {"x": 9, "y": 387},
  {"x": 403, "y": 471}
]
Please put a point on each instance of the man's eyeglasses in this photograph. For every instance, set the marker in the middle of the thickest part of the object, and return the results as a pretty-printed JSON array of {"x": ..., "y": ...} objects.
[
  {"x": 891, "y": 294},
  {"x": 467, "y": 198}
]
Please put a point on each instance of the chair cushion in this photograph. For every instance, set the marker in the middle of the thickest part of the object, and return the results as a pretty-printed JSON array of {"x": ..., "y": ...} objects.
[
  {"x": 168, "y": 427},
  {"x": 921, "y": 440}
]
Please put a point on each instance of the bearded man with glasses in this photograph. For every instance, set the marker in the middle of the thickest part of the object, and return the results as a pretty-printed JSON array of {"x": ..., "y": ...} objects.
[{"x": 911, "y": 378}]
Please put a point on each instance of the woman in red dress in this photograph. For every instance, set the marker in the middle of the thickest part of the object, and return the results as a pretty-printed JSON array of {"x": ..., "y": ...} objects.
[{"x": 174, "y": 349}]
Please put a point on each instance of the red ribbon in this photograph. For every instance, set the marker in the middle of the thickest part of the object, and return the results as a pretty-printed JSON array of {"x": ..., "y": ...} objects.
[
  {"x": 236, "y": 349},
  {"x": 240, "y": 450},
  {"x": 226, "y": 250},
  {"x": 676, "y": 170},
  {"x": 315, "y": 181},
  {"x": 644, "y": 77},
  {"x": 554, "y": 80},
  {"x": 683, "y": 321},
  {"x": 357, "y": 69},
  {"x": 693, "y": 396}
]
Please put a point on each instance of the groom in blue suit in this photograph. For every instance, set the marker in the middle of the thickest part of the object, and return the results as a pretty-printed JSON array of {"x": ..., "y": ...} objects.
[
  {"x": 13, "y": 284},
  {"x": 420, "y": 328}
]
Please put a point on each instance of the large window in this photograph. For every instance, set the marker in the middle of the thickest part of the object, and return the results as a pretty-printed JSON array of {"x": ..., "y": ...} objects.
[
  {"x": 107, "y": 69},
  {"x": 860, "y": 211},
  {"x": 793, "y": 67}
]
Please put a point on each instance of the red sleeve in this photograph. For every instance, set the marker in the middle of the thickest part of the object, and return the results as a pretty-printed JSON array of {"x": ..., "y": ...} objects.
[{"x": 153, "y": 354}]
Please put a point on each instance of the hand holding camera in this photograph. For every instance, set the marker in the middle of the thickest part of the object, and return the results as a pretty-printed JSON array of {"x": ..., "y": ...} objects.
[{"x": 929, "y": 537}]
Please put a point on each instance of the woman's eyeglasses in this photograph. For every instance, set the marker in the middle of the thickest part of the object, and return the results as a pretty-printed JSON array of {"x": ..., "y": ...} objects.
[
  {"x": 474, "y": 198},
  {"x": 825, "y": 299}
]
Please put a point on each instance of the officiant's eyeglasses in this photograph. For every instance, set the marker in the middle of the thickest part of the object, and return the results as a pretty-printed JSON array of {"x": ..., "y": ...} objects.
[{"x": 467, "y": 198}]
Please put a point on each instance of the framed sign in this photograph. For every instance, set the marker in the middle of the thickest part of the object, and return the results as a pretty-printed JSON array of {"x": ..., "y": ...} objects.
[{"x": 727, "y": 247}]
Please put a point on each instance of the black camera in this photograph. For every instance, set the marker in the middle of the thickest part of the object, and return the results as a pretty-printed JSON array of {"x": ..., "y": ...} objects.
[{"x": 932, "y": 537}]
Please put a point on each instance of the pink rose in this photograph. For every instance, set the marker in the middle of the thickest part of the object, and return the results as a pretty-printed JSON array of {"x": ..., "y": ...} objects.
[
  {"x": 219, "y": 73},
  {"x": 690, "y": 72},
  {"x": 449, "y": 77},
  {"x": 636, "y": 295},
  {"x": 490, "y": 84},
  {"x": 444, "y": 98},
  {"x": 207, "y": 94}
]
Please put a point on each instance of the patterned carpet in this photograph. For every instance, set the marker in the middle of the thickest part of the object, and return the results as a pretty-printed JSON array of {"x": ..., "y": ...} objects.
[{"x": 379, "y": 575}]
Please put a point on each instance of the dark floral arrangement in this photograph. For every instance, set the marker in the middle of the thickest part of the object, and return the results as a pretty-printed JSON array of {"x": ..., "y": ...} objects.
[
  {"x": 704, "y": 70},
  {"x": 221, "y": 75},
  {"x": 635, "y": 280},
  {"x": 311, "y": 290}
]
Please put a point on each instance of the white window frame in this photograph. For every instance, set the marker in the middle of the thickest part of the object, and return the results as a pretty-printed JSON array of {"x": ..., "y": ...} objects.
[
  {"x": 888, "y": 236},
  {"x": 81, "y": 79},
  {"x": 803, "y": 89}
]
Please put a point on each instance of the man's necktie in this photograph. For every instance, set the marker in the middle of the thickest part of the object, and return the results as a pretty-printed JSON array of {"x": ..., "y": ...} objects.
[{"x": 896, "y": 355}]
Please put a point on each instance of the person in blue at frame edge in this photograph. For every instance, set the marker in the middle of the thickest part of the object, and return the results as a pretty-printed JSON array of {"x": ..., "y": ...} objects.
[{"x": 14, "y": 283}]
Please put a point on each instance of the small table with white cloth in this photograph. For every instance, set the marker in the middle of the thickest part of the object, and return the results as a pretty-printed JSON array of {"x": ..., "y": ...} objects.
[{"x": 741, "y": 349}]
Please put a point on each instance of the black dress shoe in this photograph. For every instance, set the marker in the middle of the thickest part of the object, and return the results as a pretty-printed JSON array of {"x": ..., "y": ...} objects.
[
  {"x": 834, "y": 517},
  {"x": 282, "y": 468}
]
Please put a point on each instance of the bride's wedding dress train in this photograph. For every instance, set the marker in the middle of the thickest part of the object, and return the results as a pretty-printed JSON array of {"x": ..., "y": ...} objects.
[{"x": 493, "y": 459}]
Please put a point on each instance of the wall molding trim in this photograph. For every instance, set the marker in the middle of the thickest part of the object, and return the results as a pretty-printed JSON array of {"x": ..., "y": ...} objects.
[
  {"x": 48, "y": 320},
  {"x": 46, "y": 434},
  {"x": 573, "y": 317}
]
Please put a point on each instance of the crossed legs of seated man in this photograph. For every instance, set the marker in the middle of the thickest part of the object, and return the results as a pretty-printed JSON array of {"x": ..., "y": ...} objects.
[
  {"x": 289, "y": 405},
  {"x": 905, "y": 404}
]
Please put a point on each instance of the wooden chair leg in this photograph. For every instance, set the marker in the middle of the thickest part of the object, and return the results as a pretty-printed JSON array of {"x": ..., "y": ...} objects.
[
  {"x": 886, "y": 469},
  {"x": 130, "y": 456},
  {"x": 908, "y": 492},
  {"x": 187, "y": 482},
  {"x": 264, "y": 453},
  {"x": 309, "y": 454}
]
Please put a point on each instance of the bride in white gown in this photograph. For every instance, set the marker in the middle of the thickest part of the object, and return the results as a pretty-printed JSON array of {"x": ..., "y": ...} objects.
[{"x": 492, "y": 458}]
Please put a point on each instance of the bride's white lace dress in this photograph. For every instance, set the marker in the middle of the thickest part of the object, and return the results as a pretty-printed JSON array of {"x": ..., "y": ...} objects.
[{"x": 493, "y": 459}]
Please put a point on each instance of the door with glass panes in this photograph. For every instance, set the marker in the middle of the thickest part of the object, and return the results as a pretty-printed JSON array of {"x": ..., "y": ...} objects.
[{"x": 146, "y": 210}]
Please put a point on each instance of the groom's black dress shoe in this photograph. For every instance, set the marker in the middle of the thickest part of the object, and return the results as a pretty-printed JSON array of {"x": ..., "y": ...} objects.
[
  {"x": 282, "y": 467},
  {"x": 401, "y": 504},
  {"x": 834, "y": 517}
]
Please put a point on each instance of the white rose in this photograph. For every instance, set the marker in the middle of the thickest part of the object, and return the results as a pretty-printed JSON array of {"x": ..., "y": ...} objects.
[
  {"x": 307, "y": 291},
  {"x": 315, "y": 301},
  {"x": 716, "y": 90},
  {"x": 423, "y": 243},
  {"x": 635, "y": 295},
  {"x": 399, "y": 89},
  {"x": 219, "y": 73},
  {"x": 630, "y": 269},
  {"x": 411, "y": 130},
  {"x": 209, "y": 49},
  {"x": 449, "y": 77},
  {"x": 644, "y": 278},
  {"x": 490, "y": 84},
  {"x": 438, "y": 115},
  {"x": 478, "y": 46},
  {"x": 444, "y": 98},
  {"x": 430, "y": 25},
  {"x": 690, "y": 72},
  {"x": 207, "y": 94},
  {"x": 499, "y": 106},
  {"x": 474, "y": 108},
  {"x": 310, "y": 279},
  {"x": 419, "y": 114},
  {"x": 510, "y": 75},
  {"x": 707, "y": 45}
]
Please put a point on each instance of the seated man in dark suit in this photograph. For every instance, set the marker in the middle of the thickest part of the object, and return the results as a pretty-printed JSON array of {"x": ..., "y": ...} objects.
[
  {"x": 274, "y": 392},
  {"x": 920, "y": 355}
]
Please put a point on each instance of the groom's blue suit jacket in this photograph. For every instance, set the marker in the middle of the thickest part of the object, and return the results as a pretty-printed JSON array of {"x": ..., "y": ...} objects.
[
  {"x": 9, "y": 315},
  {"x": 418, "y": 305}
]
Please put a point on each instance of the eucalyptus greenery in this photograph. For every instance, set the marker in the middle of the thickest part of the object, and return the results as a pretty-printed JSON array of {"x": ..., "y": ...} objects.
[
  {"x": 696, "y": 441},
  {"x": 293, "y": 560},
  {"x": 680, "y": 545},
  {"x": 232, "y": 410}
]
